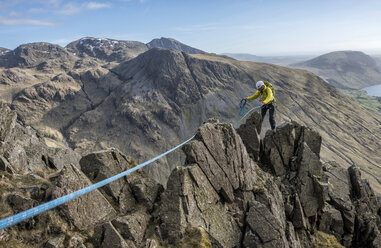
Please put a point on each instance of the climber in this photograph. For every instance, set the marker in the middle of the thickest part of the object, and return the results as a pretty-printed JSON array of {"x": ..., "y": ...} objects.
[{"x": 266, "y": 91}]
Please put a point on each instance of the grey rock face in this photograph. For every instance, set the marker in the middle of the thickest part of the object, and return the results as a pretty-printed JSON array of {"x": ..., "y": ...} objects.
[
  {"x": 7, "y": 122},
  {"x": 133, "y": 226},
  {"x": 249, "y": 133},
  {"x": 219, "y": 175},
  {"x": 126, "y": 192},
  {"x": 18, "y": 204},
  {"x": 107, "y": 236},
  {"x": 190, "y": 200},
  {"x": 214, "y": 150},
  {"x": 87, "y": 211},
  {"x": 263, "y": 228}
]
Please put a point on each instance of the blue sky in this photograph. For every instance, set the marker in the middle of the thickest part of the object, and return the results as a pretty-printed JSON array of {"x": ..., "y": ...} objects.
[{"x": 261, "y": 27}]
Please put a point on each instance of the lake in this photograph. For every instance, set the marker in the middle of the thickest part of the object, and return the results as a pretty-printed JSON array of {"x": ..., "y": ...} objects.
[{"x": 374, "y": 90}]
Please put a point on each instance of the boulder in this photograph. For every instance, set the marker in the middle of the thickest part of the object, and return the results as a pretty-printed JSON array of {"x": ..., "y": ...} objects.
[
  {"x": 309, "y": 172},
  {"x": 278, "y": 148},
  {"x": 249, "y": 132},
  {"x": 125, "y": 192},
  {"x": 86, "y": 211},
  {"x": 58, "y": 158},
  {"x": 101, "y": 165},
  {"x": 263, "y": 230},
  {"x": 331, "y": 222},
  {"x": 106, "y": 236},
  {"x": 5, "y": 166},
  {"x": 220, "y": 153},
  {"x": 360, "y": 187},
  {"x": 19, "y": 203},
  {"x": 57, "y": 242},
  {"x": 191, "y": 201},
  {"x": 339, "y": 191},
  {"x": 298, "y": 218},
  {"x": 132, "y": 226}
]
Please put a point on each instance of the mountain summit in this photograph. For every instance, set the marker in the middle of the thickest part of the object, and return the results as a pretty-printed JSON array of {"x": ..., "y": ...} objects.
[
  {"x": 345, "y": 69},
  {"x": 106, "y": 49},
  {"x": 173, "y": 44}
]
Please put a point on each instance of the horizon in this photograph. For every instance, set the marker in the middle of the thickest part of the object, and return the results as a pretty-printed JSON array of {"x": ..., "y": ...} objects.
[{"x": 295, "y": 28}]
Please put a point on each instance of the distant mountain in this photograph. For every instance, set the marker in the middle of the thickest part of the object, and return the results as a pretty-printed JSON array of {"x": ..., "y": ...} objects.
[
  {"x": 106, "y": 49},
  {"x": 345, "y": 69},
  {"x": 38, "y": 54},
  {"x": 173, "y": 44},
  {"x": 278, "y": 60}
]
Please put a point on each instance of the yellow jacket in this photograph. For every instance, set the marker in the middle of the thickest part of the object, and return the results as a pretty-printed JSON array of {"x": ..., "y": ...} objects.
[{"x": 266, "y": 95}]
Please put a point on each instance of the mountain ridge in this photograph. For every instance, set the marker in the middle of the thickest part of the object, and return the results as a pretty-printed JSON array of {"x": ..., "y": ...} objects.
[
  {"x": 345, "y": 69},
  {"x": 139, "y": 119},
  {"x": 233, "y": 190}
]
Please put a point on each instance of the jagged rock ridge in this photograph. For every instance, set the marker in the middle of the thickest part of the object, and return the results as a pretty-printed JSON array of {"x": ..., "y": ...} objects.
[{"x": 221, "y": 197}]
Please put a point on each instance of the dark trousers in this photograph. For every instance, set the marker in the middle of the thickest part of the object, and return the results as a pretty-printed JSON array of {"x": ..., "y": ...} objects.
[{"x": 271, "y": 109}]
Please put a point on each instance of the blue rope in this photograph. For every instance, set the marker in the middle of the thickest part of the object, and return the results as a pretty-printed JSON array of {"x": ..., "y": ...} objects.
[
  {"x": 242, "y": 106},
  {"x": 7, "y": 222}
]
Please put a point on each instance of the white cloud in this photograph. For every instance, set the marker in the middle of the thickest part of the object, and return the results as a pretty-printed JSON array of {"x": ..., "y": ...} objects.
[
  {"x": 70, "y": 9},
  {"x": 73, "y": 8},
  {"x": 16, "y": 22},
  {"x": 94, "y": 5}
]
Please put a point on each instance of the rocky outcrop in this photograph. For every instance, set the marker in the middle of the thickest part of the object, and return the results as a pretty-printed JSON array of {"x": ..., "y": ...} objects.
[
  {"x": 317, "y": 196},
  {"x": 88, "y": 211},
  {"x": 221, "y": 197},
  {"x": 251, "y": 130}
]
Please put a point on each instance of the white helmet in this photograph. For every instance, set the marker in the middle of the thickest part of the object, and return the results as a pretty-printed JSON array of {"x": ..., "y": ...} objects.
[{"x": 259, "y": 84}]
